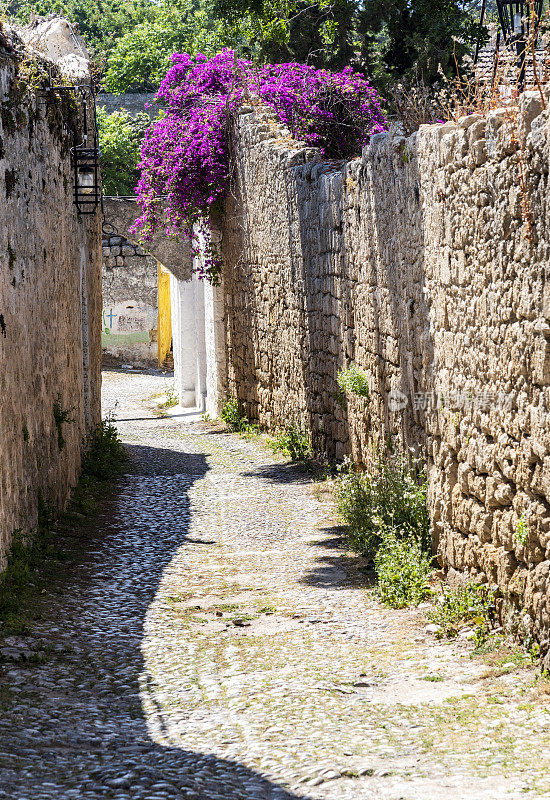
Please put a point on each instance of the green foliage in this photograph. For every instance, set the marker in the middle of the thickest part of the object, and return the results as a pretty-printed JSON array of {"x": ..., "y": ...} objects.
[
  {"x": 387, "y": 39},
  {"x": 132, "y": 40},
  {"x": 102, "y": 23},
  {"x": 292, "y": 442},
  {"x": 120, "y": 138},
  {"x": 231, "y": 414},
  {"x": 171, "y": 398},
  {"x": 391, "y": 494},
  {"x": 387, "y": 519},
  {"x": 402, "y": 568},
  {"x": 473, "y": 604},
  {"x": 140, "y": 58},
  {"x": 353, "y": 381}
]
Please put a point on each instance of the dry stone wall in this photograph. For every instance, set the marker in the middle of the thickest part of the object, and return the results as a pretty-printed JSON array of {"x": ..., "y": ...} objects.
[
  {"x": 50, "y": 302},
  {"x": 426, "y": 263}
]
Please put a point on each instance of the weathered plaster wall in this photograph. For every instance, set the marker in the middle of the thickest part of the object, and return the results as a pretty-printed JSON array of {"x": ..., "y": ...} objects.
[
  {"x": 130, "y": 304},
  {"x": 426, "y": 263},
  {"x": 50, "y": 304}
]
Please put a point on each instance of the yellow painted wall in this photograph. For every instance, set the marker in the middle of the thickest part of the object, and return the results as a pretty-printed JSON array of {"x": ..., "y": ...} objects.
[{"x": 164, "y": 315}]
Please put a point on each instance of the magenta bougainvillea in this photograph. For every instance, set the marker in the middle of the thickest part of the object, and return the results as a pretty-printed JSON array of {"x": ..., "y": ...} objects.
[{"x": 185, "y": 154}]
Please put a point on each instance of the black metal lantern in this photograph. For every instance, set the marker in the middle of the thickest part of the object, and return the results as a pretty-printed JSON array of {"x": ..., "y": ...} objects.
[{"x": 87, "y": 188}]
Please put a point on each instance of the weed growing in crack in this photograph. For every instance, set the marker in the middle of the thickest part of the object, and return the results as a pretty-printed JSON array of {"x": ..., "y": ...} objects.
[
  {"x": 353, "y": 381},
  {"x": 170, "y": 398},
  {"x": 61, "y": 416},
  {"x": 522, "y": 530},
  {"x": 472, "y": 606}
]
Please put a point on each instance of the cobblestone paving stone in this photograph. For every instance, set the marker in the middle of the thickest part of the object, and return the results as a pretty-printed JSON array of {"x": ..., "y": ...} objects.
[{"x": 213, "y": 641}]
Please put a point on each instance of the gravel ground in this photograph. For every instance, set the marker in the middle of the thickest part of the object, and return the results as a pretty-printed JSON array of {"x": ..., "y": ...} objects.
[{"x": 211, "y": 639}]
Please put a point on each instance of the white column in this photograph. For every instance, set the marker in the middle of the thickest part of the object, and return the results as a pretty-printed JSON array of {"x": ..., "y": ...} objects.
[
  {"x": 201, "y": 386},
  {"x": 216, "y": 370},
  {"x": 185, "y": 343}
]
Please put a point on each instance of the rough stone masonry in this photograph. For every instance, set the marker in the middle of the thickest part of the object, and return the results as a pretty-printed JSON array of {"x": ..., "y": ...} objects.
[
  {"x": 426, "y": 263},
  {"x": 50, "y": 282}
]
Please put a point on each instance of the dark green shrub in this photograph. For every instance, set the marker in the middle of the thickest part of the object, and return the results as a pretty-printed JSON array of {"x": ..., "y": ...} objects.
[
  {"x": 391, "y": 494},
  {"x": 105, "y": 452},
  {"x": 292, "y": 442}
]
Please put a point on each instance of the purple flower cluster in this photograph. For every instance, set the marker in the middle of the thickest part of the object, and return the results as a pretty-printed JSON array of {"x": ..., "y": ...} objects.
[{"x": 185, "y": 155}]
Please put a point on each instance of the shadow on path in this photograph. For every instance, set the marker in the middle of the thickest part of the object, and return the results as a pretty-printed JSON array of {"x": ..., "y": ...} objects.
[{"x": 72, "y": 720}]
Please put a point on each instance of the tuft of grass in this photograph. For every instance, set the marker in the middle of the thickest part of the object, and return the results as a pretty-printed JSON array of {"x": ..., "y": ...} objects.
[
  {"x": 292, "y": 442},
  {"x": 170, "y": 399}
]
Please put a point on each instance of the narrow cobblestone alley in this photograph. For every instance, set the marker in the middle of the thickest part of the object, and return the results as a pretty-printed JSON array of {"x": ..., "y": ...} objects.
[{"x": 213, "y": 640}]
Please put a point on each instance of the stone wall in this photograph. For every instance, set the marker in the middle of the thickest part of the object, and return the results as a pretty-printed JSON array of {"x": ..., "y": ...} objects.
[
  {"x": 50, "y": 300},
  {"x": 130, "y": 304},
  {"x": 426, "y": 263}
]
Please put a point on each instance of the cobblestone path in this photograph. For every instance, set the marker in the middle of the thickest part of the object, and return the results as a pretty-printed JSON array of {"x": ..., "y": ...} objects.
[{"x": 212, "y": 640}]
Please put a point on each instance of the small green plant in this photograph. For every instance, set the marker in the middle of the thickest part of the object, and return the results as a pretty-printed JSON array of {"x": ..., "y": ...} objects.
[
  {"x": 61, "y": 416},
  {"x": 473, "y": 605},
  {"x": 402, "y": 568},
  {"x": 105, "y": 453},
  {"x": 171, "y": 398},
  {"x": 406, "y": 155},
  {"x": 353, "y": 381},
  {"x": 231, "y": 414},
  {"x": 522, "y": 530},
  {"x": 292, "y": 442}
]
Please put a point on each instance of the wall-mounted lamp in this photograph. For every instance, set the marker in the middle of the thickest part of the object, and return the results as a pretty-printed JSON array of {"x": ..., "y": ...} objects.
[{"x": 85, "y": 155}]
